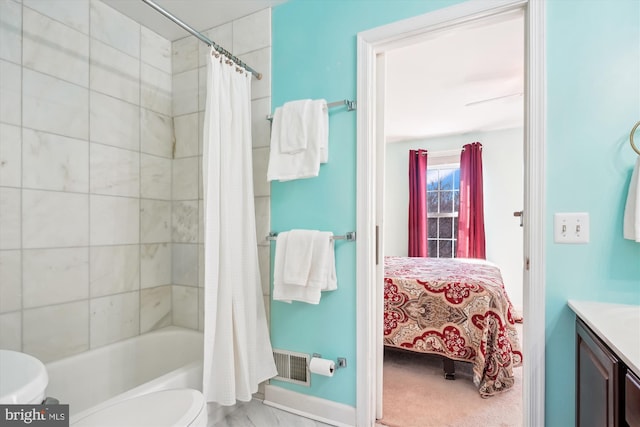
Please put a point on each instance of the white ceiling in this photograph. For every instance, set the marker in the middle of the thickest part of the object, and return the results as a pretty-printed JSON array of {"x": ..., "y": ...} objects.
[
  {"x": 429, "y": 84},
  {"x": 198, "y": 14},
  {"x": 464, "y": 80}
]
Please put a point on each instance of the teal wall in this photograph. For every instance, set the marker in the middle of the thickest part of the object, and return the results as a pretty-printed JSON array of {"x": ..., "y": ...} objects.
[
  {"x": 593, "y": 77},
  {"x": 593, "y": 98},
  {"x": 314, "y": 56}
]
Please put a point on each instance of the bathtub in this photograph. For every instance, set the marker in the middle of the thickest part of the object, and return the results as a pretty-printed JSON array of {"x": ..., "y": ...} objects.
[{"x": 168, "y": 358}]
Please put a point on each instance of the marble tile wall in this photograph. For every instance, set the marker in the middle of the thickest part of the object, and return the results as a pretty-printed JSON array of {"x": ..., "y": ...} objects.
[
  {"x": 86, "y": 203},
  {"x": 100, "y": 213},
  {"x": 249, "y": 38}
]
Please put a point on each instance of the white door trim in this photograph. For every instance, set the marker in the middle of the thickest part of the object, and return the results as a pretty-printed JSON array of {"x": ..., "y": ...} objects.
[{"x": 369, "y": 318}]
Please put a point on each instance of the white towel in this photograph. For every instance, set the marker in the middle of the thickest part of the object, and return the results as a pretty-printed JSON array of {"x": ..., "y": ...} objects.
[
  {"x": 294, "y": 119},
  {"x": 285, "y": 292},
  {"x": 322, "y": 274},
  {"x": 278, "y": 267},
  {"x": 323, "y": 266},
  {"x": 298, "y": 257},
  {"x": 631, "y": 227},
  {"x": 318, "y": 117},
  {"x": 288, "y": 293},
  {"x": 305, "y": 163}
]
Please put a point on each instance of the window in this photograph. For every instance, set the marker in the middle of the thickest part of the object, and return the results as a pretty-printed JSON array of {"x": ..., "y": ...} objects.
[{"x": 443, "y": 201}]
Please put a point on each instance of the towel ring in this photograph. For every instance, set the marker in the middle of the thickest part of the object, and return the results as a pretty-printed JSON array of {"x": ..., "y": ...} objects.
[{"x": 636, "y": 149}]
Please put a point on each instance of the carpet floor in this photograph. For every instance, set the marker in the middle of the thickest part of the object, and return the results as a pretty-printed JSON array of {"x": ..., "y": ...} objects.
[{"x": 415, "y": 394}]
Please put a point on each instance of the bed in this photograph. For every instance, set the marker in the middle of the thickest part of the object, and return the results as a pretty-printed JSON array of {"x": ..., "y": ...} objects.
[{"x": 455, "y": 308}]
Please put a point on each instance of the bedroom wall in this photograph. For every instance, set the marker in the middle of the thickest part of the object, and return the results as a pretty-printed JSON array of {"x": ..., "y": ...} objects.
[
  {"x": 593, "y": 101},
  {"x": 502, "y": 157}
]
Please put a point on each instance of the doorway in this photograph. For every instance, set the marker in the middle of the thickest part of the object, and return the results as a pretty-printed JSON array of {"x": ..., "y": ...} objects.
[
  {"x": 464, "y": 84},
  {"x": 372, "y": 45}
]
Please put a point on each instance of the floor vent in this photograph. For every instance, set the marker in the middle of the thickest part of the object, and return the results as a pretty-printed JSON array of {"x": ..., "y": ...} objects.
[{"x": 292, "y": 367}]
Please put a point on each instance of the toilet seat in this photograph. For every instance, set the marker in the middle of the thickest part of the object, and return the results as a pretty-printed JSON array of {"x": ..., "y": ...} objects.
[
  {"x": 23, "y": 378},
  {"x": 176, "y": 407}
]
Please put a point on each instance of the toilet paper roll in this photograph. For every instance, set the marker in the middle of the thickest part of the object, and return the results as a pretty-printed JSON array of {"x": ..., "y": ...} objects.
[{"x": 322, "y": 366}]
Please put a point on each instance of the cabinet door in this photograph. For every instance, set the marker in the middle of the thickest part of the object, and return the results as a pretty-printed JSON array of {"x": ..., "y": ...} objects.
[
  {"x": 632, "y": 400},
  {"x": 596, "y": 381}
]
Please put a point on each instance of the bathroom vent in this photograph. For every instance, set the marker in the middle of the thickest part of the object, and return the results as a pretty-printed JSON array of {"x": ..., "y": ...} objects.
[{"x": 292, "y": 367}]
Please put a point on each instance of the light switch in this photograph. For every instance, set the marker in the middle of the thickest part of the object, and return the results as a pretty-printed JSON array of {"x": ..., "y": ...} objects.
[{"x": 571, "y": 227}]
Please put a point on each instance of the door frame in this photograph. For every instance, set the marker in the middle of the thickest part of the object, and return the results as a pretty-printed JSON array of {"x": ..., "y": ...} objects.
[{"x": 370, "y": 146}]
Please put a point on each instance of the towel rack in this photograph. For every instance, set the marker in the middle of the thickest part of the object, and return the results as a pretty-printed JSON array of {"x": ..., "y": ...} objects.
[
  {"x": 636, "y": 149},
  {"x": 351, "y": 105},
  {"x": 349, "y": 236}
]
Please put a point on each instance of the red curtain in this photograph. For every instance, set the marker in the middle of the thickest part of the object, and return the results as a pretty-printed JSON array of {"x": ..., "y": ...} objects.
[
  {"x": 471, "y": 239},
  {"x": 418, "y": 246}
]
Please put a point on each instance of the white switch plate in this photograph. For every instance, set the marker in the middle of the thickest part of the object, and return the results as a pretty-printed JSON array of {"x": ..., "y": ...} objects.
[{"x": 571, "y": 227}]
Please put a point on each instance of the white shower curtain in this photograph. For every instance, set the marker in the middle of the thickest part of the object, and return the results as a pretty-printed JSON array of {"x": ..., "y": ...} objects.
[{"x": 237, "y": 350}]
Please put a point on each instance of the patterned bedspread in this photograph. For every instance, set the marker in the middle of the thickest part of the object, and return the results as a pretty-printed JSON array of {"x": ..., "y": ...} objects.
[{"x": 457, "y": 308}]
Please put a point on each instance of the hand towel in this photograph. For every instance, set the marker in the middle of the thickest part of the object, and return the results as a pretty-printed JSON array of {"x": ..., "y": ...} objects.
[
  {"x": 288, "y": 293},
  {"x": 332, "y": 278},
  {"x": 305, "y": 163},
  {"x": 279, "y": 290},
  {"x": 285, "y": 292},
  {"x": 280, "y": 250},
  {"x": 292, "y": 132},
  {"x": 279, "y": 293},
  {"x": 287, "y": 167},
  {"x": 298, "y": 257},
  {"x": 631, "y": 226},
  {"x": 318, "y": 119},
  {"x": 322, "y": 273}
]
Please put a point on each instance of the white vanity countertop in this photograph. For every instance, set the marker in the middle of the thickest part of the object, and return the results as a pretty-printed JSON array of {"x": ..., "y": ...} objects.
[{"x": 618, "y": 325}]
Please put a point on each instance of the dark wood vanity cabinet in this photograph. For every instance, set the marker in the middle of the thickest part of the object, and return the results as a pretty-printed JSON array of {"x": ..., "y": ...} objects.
[
  {"x": 632, "y": 400},
  {"x": 600, "y": 382}
]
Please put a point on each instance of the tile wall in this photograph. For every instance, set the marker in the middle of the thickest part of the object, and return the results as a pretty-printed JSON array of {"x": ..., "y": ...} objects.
[
  {"x": 100, "y": 214},
  {"x": 85, "y": 177},
  {"x": 249, "y": 38}
]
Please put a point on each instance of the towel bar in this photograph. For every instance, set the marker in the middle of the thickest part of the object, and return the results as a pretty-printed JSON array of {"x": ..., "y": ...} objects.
[
  {"x": 351, "y": 105},
  {"x": 349, "y": 236}
]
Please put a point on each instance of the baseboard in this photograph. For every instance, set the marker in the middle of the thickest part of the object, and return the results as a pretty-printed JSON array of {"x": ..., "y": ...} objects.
[{"x": 325, "y": 411}]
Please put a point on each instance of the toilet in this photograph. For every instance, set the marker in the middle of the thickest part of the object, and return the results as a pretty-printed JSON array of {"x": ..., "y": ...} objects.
[
  {"x": 167, "y": 408},
  {"x": 24, "y": 379}
]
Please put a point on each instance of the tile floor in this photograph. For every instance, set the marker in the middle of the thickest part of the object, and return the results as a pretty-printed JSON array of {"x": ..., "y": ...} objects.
[{"x": 255, "y": 413}]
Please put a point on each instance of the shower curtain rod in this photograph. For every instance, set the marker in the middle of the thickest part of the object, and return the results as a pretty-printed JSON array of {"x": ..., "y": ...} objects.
[{"x": 203, "y": 38}]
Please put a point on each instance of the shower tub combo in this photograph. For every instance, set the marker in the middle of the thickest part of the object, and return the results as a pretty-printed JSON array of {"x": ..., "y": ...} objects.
[{"x": 166, "y": 359}]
